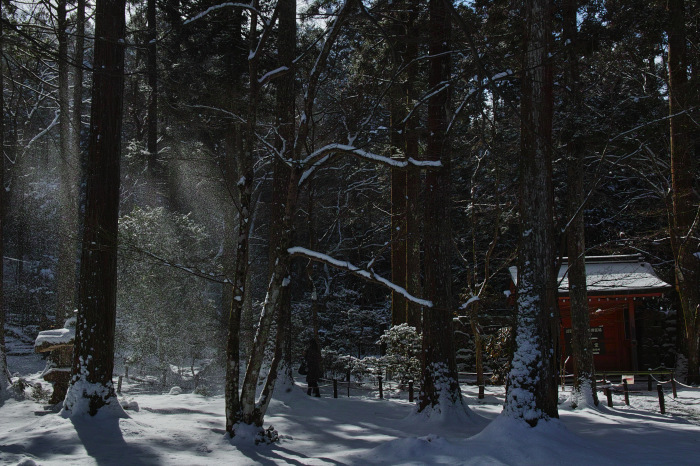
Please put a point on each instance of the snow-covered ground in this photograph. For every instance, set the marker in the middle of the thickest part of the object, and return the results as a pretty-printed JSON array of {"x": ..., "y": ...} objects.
[{"x": 187, "y": 429}]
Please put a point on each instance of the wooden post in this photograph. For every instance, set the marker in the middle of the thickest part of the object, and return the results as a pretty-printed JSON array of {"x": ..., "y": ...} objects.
[
  {"x": 481, "y": 392},
  {"x": 348, "y": 383},
  {"x": 673, "y": 385},
  {"x": 627, "y": 392},
  {"x": 119, "y": 385},
  {"x": 410, "y": 391},
  {"x": 608, "y": 394},
  {"x": 649, "y": 382},
  {"x": 662, "y": 405},
  {"x": 633, "y": 335},
  {"x": 381, "y": 392},
  {"x": 335, "y": 388}
]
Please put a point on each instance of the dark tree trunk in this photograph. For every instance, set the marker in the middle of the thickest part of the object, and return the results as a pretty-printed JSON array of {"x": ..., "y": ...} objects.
[
  {"x": 286, "y": 51},
  {"x": 532, "y": 385},
  {"x": 413, "y": 175},
  {"x": 439, "y": 370},
  {"x": 233, "y": 399},
  {"x": 79, "y": 57},
  {"x": 4, "y": 372},
  {"x": 398, "y": 177},
  {"x": 70, "y": 179},
  {"x": 581, "y": 345},
  {"x": 94, "y": 340},
  {"x": 152, "y": 72},
  {"x": 684, "y": 216}
]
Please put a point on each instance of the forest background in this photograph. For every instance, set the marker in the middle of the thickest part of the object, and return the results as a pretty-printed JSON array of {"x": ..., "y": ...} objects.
[{"x": 399, "y": 127}]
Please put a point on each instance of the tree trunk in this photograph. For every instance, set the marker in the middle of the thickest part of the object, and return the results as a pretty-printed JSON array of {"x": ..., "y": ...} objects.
[
  {"x": 91, "y": 384},
  {"x": 439, "y": 370},
  {"x": 152, "y": 72},
  {"x": 4, "y": 371},
  {"x": 532, "y": 386},
  {"x": 79, "y": 57},
  {"x": 286, "y": 51},
  {"x": 584, "y": 391},
  {"x": 413, "y": 175},
  {"x": 234, "y": 403},
  {"x": 684, "y": 217},
  {"x": 398, "y": 177},
  {"x": 478, "y": 343},
  {"x": 69, "y": 169}
]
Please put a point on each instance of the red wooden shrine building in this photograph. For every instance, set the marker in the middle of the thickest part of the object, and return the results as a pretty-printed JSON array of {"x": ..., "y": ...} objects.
[{"x": 617, "y": 286}]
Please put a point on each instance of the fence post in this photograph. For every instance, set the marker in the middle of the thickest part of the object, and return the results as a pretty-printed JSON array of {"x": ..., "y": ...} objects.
[
  {"x": 410, "y": 391},
  {"x": 481, "y": 392},
  {"x": 673, "y": 385},
  {"x": 662, "y": 405},
  {"x": 381, "y": 392},
  {"x": 348, "y": 383},
  {"x": 335, "y": 388},
  {"x": 119, "y": 385},
  {"x": 608, "y": 394},
  {"x": 649, "y": 382},
  {"x": 626, "y": 389}
]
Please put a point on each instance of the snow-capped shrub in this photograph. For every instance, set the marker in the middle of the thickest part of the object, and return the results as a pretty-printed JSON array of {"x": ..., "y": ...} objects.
[
  {"x": 175, "y": 391},
  {"x": 401, "y": 360}
]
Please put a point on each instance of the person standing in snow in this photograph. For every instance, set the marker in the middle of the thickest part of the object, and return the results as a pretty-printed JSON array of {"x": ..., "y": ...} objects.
[{"x": 312, "y": 357}]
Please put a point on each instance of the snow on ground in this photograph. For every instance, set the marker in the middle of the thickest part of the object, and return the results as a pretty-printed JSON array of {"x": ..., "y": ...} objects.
[{"x": 187, "y": 429}]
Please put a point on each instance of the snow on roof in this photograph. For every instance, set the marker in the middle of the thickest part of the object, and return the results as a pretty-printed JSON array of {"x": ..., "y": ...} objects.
[{"x": 612, "y": 275}]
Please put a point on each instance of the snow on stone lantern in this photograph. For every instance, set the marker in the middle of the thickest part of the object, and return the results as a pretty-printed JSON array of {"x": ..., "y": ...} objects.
[{"x": 59, "y": 344}]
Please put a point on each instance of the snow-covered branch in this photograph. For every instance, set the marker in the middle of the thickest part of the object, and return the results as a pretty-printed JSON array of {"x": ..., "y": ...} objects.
[
  {"x": 326, "y": 152},
  {"x": 270, "y": 75},
  {"x": 368, "y": 275},
  {"x": 246, "y": 6}
]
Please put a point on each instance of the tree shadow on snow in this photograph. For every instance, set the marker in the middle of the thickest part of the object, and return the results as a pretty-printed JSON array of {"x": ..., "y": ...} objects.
[
  {"x": 103, "y": 441},
  {"x": 271, "y": 456}
]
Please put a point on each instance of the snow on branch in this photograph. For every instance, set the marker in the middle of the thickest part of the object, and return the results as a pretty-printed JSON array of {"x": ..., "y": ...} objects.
[
  {"x": 369, "y": 275},
  {"x": 270, "y": 75},
  {"x": 247, "y": 6},
  {"x": 471, "y": 300},
  {"x": 325, "y": 152}
]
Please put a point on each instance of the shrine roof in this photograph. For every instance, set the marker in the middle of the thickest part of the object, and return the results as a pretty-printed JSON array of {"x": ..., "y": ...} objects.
[{"x": 607, "y": 275}]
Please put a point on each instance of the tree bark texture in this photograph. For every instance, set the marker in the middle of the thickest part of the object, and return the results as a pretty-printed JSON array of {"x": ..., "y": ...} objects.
[
  {"x": 439, "y": 370},
  {"x": 233, "y": 400},
  {"x": 398, "y": 176},
  {"x": 93, "y": 361},
  {"x": 152, "y": 72},
  {"x": 286, "y": 52},
  {"x": 685, "y": 210},
  {"x": 532, "y": 386},
  {"x": 69, "y": 169},
  {"x": 413, "y": 175},
  {"x": 581, "y": 344},
  {"x": 4, "y": 372}
]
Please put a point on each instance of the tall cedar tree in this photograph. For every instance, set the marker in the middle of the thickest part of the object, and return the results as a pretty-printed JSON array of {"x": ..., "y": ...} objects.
[
  {"x": 93, "y": 357},
  {"x": 286, "y": 52},
  {"x": 405, "y": 183},
  {"x": 685, "y": 217},
  {"x": 581, "y": 345},
  {"x": 4, "y": 372},
  {"x": 152, "y": 72},
  {"x": 70, "y": 177},
  {"x": 532, "y": 388},
  {"x": 439, "y": 370}
]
